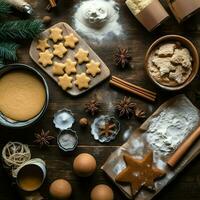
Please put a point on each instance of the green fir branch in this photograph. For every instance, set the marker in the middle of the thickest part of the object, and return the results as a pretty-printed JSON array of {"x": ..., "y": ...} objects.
[
  {"x": 8, "y": 51},
  {"x": 5, "y": 8},
  {"x": 20, "y": 29}
]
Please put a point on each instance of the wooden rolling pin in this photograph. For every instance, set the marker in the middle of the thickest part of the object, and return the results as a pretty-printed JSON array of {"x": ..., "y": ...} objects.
[{"x": 184, "y": 147}]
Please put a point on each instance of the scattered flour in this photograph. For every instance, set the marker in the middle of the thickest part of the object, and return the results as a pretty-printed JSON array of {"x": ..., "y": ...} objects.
[
  {"x": 97, "y": 19},
  {"x": 167, "y": 130}
]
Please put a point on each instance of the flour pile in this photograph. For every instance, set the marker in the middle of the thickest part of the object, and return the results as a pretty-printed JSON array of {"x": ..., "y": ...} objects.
[{"x": 97, "y": 19}]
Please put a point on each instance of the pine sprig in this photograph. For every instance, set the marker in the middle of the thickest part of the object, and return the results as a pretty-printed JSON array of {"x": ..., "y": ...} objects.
[
  {"x": 5, "y": 8},
  {"x": 8, "y": 51},
  {"x": 20, "y": 29}
]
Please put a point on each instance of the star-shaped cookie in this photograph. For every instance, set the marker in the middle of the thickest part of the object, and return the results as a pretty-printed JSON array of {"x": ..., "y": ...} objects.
[
  {"x": 139, "y": 173},
  {"x": 45, "y": 58},
  {"x": 82, "y": 56},
  {"x": 58, "y": 68},
  {"x": 42, "y": 44},
  {"x": 82, "y": 81},
  {"x": 70, "y": 66},
  {"x": 70, "y": 40},
  {"x": 59, "y": 50},
  {"x": 65, "y": 82},
  {"x": 56, "y": 34},
  {"x": 93, "y": 68}
]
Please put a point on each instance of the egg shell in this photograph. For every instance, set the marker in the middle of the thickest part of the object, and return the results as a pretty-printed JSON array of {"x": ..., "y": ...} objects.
[
  {"x": 60, "y": 189},
  {"x": 102, "y": 192},
  {"x": 84, "y": 165}
]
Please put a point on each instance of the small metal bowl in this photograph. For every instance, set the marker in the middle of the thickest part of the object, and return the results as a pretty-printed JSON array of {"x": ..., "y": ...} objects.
[
  {"x": 70, "y": 140},
  {"x": 185, "y": 42},
  {"x": 7, "y": 122}
]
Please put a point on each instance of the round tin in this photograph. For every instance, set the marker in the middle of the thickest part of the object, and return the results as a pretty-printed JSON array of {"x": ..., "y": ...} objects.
[
  {"x": 67, "y": 140},
  {"x": 7, "y": 122},
  {"x": 37, "y": 163},
  {"x": 63, "y": 119}
]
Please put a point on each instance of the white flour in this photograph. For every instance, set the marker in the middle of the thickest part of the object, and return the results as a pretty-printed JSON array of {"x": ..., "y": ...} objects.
[
  {"x": 97, "y": 19},
  {"x": 171, "y": 126}
]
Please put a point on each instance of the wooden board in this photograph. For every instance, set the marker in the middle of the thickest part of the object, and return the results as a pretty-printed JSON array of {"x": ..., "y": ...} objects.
[{"x": 74, "y": 91}]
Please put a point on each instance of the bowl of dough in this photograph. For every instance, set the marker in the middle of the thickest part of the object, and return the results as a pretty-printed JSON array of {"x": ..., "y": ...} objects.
[{"x": 172, "y": 62}]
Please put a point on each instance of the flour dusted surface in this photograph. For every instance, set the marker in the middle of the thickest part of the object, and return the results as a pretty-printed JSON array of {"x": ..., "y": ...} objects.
[{"x": 167, "y": 130}]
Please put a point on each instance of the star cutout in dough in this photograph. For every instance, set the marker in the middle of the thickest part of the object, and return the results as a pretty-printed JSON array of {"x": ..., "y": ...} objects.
[
  {"x": 70, "y": 40},
  {"x": 65, "y": 82},
  {"x": 93, "y": 68},
  {"x": 42, "y": 44},
  {"x": 59, "y": 50},
  {"x": 70, "y": 66},
  {"x": 82, "y": 56},
  {"x": 139, "y": 173},
  {"x": 58, "y": 68},
  {"x": 56, "y": 34},
  {"x": 82, "y": 81},
  {"x": 45, "y": 58}
]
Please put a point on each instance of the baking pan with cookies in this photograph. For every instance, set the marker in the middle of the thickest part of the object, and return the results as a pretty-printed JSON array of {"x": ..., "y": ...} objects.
[{"x": 68, "y": 59}]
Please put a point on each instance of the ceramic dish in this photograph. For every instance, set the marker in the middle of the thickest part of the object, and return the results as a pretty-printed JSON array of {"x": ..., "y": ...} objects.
[
  {"x": 4, "y": 121},
  {"x": 187, "y": 44}
]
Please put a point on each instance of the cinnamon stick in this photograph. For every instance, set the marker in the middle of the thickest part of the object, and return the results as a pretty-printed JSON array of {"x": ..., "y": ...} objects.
[
  {"x": 131, "y": 90},
  {"x": 134, "y": 87},
  {"x": 184, "y": 147}
]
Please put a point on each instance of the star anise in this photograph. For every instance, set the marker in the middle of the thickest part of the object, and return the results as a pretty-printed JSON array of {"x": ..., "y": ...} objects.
[
  {"x": 92, "y": 107},
  {"x": 122, "y": 57},
  {"x": 140, "y": 113},
  {"x": 107, "y": 129},
  {"x": 43, "y": 138},
  {"x": 126, "y": 107}
]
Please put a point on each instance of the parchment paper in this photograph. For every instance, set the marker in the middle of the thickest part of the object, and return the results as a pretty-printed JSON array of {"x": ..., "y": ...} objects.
[{"x": 138, "y": 146}]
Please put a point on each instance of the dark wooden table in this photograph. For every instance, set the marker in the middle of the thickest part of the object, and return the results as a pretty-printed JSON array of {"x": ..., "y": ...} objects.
[{"x": 137, "y": 39}]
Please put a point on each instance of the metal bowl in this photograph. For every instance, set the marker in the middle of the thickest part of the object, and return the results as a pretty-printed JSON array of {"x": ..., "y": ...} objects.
[
  {"x": 7, "y": 122},
  {"x": 194, "y": 53}
]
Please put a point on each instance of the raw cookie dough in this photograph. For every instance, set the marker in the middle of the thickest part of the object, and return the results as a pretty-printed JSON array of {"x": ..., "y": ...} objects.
[
  {"x": 45, "y": 58},
  {"x": 22, "y": 95},
  {"x": 170, "y": 64},
  {"x": 56, "y": 34},
  {"x": 139, "y": 173},
  {"x": 166, "y": 50},
  {"x": 58, "y": 68},
  {"x": 59, "y": 50},
  {"x": 70, "y": 40},
  {"x": 93, "y": 68},
  {"x": 182, "y": 57},
  {"x": 82, "y": 56},
  {"x": 42, "y": 44},
  {"x": 70, "y": 66},
  {"x": 82, "y": 81},
  {"x": 65, "y": 82}
]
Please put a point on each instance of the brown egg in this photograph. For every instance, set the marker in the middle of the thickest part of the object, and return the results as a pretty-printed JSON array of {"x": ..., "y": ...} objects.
[
  {"x": 60, "y": 189},
  {"x": 84, "y": 165},
  {"x": 102, "y": 192}
]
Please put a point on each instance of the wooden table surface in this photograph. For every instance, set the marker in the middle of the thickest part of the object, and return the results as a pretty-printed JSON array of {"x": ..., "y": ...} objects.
[{"x": 137, "y": 39}]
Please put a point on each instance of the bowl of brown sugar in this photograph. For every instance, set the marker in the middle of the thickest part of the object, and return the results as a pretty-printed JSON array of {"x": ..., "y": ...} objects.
[
  {"x": 172, "y": 62},
  {"x": 24, "y": 95}
]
